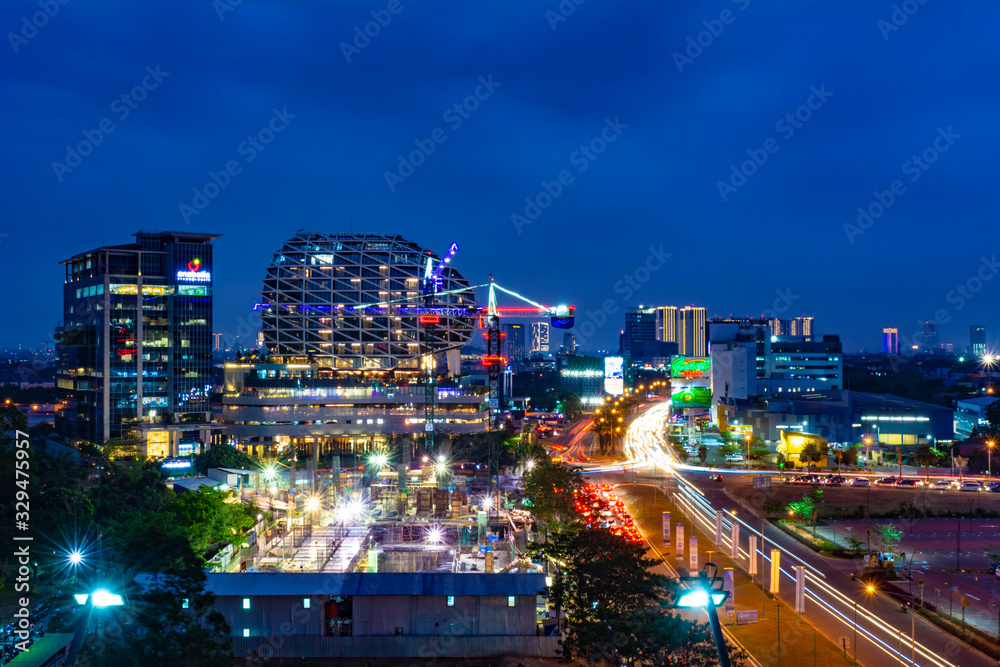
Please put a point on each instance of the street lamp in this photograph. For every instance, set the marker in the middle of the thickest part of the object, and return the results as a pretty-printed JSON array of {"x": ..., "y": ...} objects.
[
  {"x": 100, "y": 599},
  {"x": 989, "y": 457},
  {"x": 702, "y": 595}
]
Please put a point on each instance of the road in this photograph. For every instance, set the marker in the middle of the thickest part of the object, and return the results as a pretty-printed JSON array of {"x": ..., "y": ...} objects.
[
  {"x": 570, "y": 443},
  {"x": 833, "y": 600}
]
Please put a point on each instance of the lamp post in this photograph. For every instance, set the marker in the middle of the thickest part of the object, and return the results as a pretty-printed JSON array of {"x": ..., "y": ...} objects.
[
  {"x": 703, "y": 595},
  {"x": 989, "y": 458},
  {"x": 99, "y": 599}
]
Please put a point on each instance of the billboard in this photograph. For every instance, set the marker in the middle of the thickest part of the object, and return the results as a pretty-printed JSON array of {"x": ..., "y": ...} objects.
[
  {"x": 692, "y": 397},
  {"x": 614, "y": 375},
  {"x": 690, "y": 367}
]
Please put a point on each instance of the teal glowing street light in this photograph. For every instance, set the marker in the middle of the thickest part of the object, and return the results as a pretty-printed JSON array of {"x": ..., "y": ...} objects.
[
  {"x": 702, "y": 595},
  {"x": 99, "y": 599}
]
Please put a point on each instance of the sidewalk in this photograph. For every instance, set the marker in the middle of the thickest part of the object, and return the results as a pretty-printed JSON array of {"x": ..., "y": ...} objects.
[{"x": 798, "y": 643}]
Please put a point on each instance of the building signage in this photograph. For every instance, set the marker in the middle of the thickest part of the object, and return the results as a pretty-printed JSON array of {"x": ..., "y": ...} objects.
[
  {"x": 176, "y": 464},
  {"x": 690, "y": 367},
  {"x": 194, "y": 273},
  {"x": 614, "y": 375},
  {"x": 692, "y": 397}
]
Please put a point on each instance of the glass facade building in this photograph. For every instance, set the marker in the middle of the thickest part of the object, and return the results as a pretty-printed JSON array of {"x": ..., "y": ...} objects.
[
  {"x": 356, "y": 302},
  {"x": 135, "y": 347}
]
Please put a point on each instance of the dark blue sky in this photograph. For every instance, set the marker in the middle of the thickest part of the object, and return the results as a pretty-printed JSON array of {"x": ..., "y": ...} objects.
[{"x": 655, "y": 185}]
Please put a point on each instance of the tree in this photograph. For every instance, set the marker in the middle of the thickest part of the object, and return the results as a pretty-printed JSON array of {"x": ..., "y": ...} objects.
[
  {"x": 224, "y": 456},
  {"x": 926, "y": 455},
  {"x": 814, "y": 452},
  {"x": 613, "y": 601},
  {"x": 847, "y": 457},
  {"x": 807, "y": 509},
  {"x": 549, "y": 488},
  {"x": 702, "y": 454},
  {"x": 729, "y": 448},
  {"x": 207, "y": 517},
  {"x": 571, "y": 404},
  {"x": 887, "y": 537},
  {"x": 173, "y": 620}
]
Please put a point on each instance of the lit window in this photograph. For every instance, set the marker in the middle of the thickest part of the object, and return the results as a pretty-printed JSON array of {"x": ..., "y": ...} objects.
[
  {"x": 510, "y": 600},
  {"x": 451, "y": 600},
  {"x": 246, "y": 632},
  {"x": 185, "y": 603},
  {"x": 306, "y": 603},
  {"x": 246, "y": 603}
]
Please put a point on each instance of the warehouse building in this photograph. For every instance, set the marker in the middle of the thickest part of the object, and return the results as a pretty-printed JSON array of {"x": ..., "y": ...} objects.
[{"x": 385, "y": 615}]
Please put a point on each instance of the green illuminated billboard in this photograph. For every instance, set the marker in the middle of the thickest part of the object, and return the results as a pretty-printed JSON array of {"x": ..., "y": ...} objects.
[
  {"x": 689, "y": 367},
  {"x": 692, "y": 397}
]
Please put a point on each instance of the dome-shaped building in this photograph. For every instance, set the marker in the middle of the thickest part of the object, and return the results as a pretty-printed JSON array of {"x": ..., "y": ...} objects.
[{"x": 354, "y": 302}]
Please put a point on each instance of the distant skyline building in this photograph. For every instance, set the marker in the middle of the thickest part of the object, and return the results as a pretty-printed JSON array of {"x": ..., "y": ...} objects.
[
  {"x": 691, "y": 335},
  {"x": 890, "y": 340},
  {"x": 666, "y": 324},
  {"x": 640, "y": 327},
  {"x": 977, "y": 340},
  {"x": 135, "y": 347},
  {"x": 931, "y": 339},
  {"x": 539, "y": 336},
  {"x": 513, "y": 342},
  {"x": 569, "y": 343}
]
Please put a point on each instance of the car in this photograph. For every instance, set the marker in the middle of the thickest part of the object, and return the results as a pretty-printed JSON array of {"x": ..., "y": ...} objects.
[
  {"x": 735, "y": 458},
  {"x": 941, "y": 484},
  {"x": 993, "y": 487},
  {"x": 886, "y": 481},
  {"x": 971, "y": 487},
  {"x": 836, "y": 480},
  {"x": 910, "y": 482},
  {"x": 861, "y": 481}
]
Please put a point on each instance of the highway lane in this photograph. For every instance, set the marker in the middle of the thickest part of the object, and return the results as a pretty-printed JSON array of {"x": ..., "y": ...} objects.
[{"x": 883, "y": 631}]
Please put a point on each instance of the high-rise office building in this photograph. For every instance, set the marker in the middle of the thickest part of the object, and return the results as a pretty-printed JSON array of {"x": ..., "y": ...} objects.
[
  {"x": 569, "y": 343},
  {"x": 801, "y": 326},
  {"x": 513, "y": 341},
  {"x": 931, "y": 340},
  {"x": 640, "y": 326},
  {"x": 977, "y": 340},
  {"x": 666, "y": 324},
  {"x": 691, "y": 337},
  {"x": 135, "y": 348},
  {"x": 890, "y": 340},
  {"x": 539, "y": 336}
]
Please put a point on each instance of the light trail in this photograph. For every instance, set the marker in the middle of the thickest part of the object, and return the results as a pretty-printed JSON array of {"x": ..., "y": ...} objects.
[{"x": 645, "y": 445}]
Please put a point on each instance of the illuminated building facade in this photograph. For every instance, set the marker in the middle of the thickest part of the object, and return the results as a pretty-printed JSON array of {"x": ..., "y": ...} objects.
[
  {"x": 890, "y": 340},
  {"x": 539, "y": 336},
  {"x": 135, "y": 348},
  {"x": 269, "y": 406},
  {"x": 691, "y": 335},
  {"x": 355, "y": 302},
  {"x": 977, "y": 340}
]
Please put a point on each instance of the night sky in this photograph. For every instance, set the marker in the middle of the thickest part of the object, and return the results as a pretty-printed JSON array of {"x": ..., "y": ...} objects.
[{"x": 641, "y": 124}]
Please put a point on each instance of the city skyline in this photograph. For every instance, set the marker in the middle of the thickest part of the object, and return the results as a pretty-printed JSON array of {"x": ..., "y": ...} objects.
[{"x": 270, "y": 147}]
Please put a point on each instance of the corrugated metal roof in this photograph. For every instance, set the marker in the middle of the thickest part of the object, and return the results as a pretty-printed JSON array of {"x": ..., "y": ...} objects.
[{"x": 389, "y": 583}]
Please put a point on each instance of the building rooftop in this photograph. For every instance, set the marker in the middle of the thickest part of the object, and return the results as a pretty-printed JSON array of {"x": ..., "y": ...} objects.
[{"x": 388, "y": 583}]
